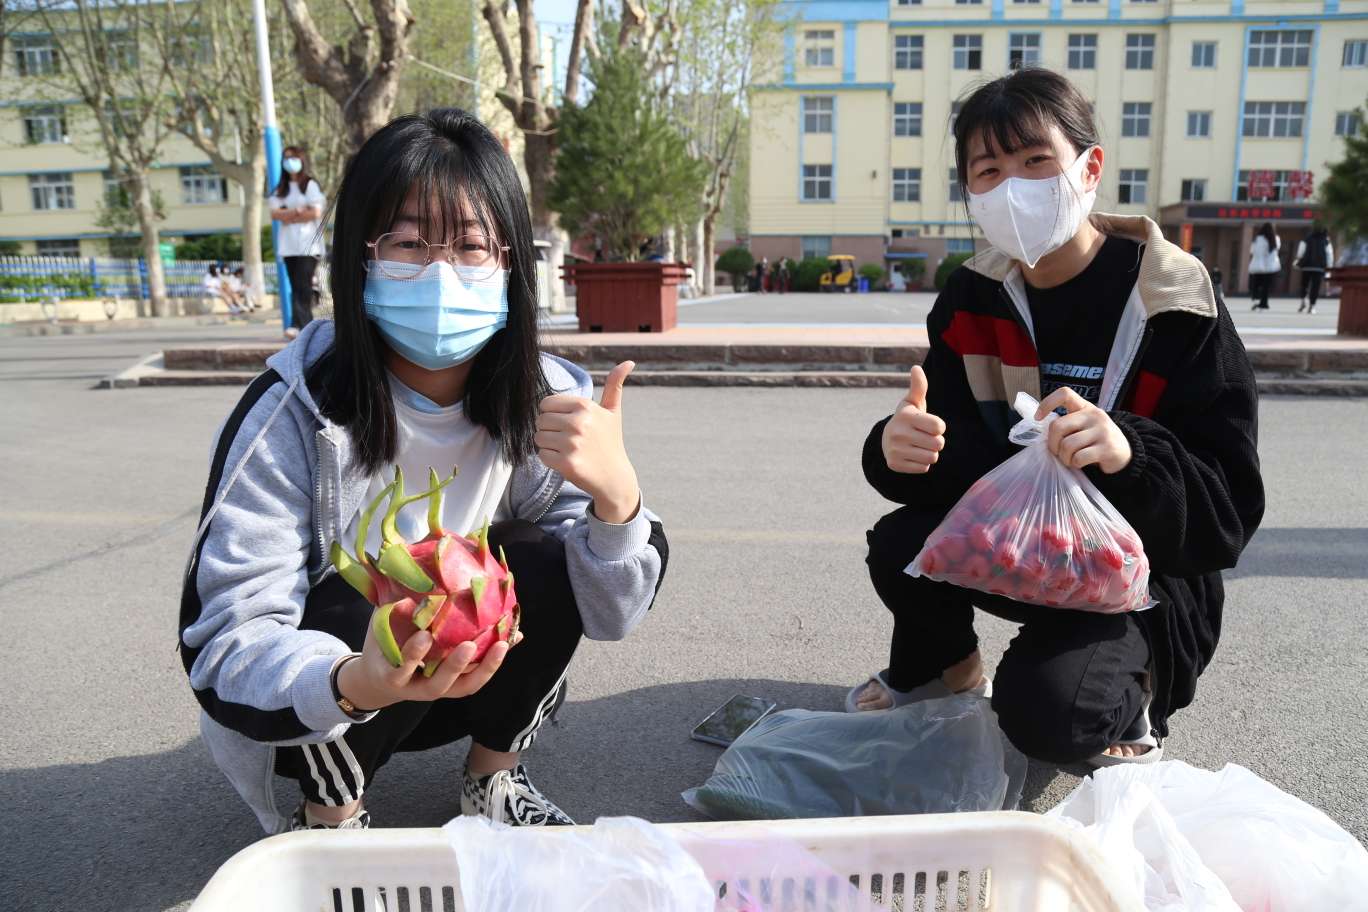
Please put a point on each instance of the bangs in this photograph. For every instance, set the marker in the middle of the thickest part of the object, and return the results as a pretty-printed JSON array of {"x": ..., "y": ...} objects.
[
  {"x": 451, "y": 199},
  {"x": 1005, "y": 124}
]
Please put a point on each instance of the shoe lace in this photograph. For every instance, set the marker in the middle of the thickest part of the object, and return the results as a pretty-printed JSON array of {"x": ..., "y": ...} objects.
[{"x": 500, "y": 791}]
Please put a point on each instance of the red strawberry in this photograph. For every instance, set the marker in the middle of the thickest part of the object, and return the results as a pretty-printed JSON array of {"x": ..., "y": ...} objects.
[
  {"x": 1110, "y": 556},
  {"x": 954, "y": 549},
  {"x": 930, "y": 561},
  {"x": 977, "y": 568},
  {"x": 1007, "y": 555},
  {"x": 1056, "y": 538}
]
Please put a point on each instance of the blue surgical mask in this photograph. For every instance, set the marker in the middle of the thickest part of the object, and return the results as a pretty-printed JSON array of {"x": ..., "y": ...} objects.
[
  {"x": 293, "y": 165},
  {"x": 441, "y": 318}
]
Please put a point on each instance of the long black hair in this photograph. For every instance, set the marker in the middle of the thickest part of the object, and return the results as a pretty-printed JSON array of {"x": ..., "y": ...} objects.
[
  {"x": 444, "y": 157},
  {"x": 1017, "y": 111},
  {"x": 1268, "y": 234},
  {"x": 302, "y": 178}
]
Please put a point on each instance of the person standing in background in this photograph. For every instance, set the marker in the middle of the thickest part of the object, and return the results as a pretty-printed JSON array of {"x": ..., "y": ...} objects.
[
  {"x": 297, "y": 204},
  {"x": 1264, "y": 264},
  {"x": 1314, "y": 255}
]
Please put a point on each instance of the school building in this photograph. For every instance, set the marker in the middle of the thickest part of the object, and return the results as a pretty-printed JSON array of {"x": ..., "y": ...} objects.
[{"x": 1215, "y": 116}]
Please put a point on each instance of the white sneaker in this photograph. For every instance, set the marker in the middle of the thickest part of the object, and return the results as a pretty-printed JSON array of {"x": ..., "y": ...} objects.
[
  {"x": 508, "y": 796},
  {"x": 359, "y": 821}
]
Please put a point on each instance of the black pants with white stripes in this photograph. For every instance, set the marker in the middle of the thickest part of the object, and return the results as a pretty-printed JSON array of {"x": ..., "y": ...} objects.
[{"x": 504, "y": 715}]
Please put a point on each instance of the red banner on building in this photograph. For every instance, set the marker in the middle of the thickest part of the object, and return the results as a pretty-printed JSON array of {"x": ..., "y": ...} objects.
[
  {"x": 1261, "y": 185},
  {"x": 1301, "y": 185}
]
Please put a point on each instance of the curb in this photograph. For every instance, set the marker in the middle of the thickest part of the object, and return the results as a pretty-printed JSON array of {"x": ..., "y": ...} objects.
[{"x": 21, "y": 330}]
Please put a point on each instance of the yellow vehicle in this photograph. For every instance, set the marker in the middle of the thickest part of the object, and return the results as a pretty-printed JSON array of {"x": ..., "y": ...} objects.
[{"x": 841, "y": 275}]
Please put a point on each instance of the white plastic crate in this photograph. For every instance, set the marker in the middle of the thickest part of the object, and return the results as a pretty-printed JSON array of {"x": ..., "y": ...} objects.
[{"x": 990, "y": 862}]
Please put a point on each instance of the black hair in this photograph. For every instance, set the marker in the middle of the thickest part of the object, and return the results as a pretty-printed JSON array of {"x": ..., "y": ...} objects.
[
  {"x": 1269, "y": 235},
  {"x": 302, "y": 178},
  {"x": 1017, "y": 111},
  {"x": 213, "y": 269},
  {"x": 445, "y": 157}
]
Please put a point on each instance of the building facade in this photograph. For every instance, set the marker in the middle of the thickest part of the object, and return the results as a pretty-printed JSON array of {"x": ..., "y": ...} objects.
[
  {"x": 1215, "y": 116},
  {"x": 55, "y": 174}
]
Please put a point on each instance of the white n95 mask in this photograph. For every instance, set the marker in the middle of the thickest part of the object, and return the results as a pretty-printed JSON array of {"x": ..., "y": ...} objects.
[{"x": 1027, "y": 219}]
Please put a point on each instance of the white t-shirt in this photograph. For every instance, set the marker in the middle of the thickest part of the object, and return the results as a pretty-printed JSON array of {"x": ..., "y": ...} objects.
[
  {"x": 212, "y": 284},
  {"x": 300, "y": 238},
  {"x": 440, "y": 439}
]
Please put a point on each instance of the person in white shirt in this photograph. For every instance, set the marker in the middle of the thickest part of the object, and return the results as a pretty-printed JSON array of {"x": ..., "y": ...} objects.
[
  {"x": 1264, "y": 264},
  {"x": 297, "y": 204}
]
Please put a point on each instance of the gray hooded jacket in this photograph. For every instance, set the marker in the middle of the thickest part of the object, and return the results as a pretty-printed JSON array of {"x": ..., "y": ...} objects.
[{"x": 287, "y": 490}]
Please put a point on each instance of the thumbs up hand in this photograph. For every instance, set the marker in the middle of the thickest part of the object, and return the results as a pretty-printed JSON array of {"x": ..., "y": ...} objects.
[
  {"x": 913, "y": 437},
  {"x": 582, "y": 440}
]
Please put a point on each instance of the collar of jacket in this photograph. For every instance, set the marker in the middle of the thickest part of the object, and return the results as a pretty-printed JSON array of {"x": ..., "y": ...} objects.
[{"x": 1171, "y": 279}]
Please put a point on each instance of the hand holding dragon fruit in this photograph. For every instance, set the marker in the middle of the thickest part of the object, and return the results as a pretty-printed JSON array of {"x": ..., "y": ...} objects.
[{"x": 446, "y": 584}]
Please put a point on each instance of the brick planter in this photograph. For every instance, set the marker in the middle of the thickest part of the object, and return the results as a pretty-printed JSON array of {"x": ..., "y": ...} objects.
[
  {"x": 1353, "y": 310},
  {"x": 626, "y": 297}
]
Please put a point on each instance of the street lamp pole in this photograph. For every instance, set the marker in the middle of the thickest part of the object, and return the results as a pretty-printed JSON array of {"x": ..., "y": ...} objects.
[{"x": 271, "y": 138}]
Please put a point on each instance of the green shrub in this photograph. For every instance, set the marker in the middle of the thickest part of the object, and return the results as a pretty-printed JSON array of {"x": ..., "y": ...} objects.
[
  {"x": 807, "y": 275},
  {"x": 210, "y": 247},
  {"x": 10, "y": 248},
  {"x": 874, "y": 272},
  {"x": 947, "y": 266},
  {"x": 736, "y": 262},
  {"x": 912, "y": 270}
]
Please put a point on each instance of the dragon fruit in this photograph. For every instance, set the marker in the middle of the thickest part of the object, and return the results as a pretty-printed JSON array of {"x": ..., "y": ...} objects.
[{"x": 449, "y": 585}]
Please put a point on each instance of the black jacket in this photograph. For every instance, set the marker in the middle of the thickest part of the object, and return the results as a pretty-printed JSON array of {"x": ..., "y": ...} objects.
[{"x": 1186, "y": 401}]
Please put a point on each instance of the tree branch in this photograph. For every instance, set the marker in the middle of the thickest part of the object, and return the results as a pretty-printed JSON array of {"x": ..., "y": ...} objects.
[
  {"x": 498, "y": 28},
  {"x": 584, "y": 30},
  {"x": 319, "y": 61}
]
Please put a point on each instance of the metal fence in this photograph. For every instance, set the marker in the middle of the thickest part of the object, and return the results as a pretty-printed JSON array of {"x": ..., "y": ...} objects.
[{"x": 40, "y": 278}]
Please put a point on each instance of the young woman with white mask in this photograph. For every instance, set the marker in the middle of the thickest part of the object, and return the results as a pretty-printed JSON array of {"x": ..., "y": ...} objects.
[
  {"x": 431, "y": 360},
  {"x": 1104, "y": 320},
  {"x": 298, "y": 203}
]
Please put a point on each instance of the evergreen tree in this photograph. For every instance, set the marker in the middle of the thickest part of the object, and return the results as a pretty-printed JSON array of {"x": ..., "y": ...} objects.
[
  {"x": 622, "y": 172},
  {"x": 1342, "y": 191}
]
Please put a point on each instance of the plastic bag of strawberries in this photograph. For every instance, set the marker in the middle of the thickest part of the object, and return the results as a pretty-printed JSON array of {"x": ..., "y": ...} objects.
[{"x": 1039, "y": 532}]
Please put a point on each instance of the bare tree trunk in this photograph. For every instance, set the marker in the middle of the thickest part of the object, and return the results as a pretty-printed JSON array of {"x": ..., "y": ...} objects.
[
  {"x": 151, "y": 244},
  {"x": 696, "y": 249},
  {"x": 709, "y": 254},
  {"x": 669, "y": 252},
  {"x": 251, "y": 229},
  {"x": 539, "y": 159}
]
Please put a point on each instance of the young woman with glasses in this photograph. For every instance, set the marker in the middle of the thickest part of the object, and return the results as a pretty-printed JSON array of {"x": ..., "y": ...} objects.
[{"x": 431, "y": 360}]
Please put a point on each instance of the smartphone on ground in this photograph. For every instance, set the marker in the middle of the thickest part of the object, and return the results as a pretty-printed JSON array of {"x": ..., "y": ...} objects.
[{"x": 731, "y": 720}]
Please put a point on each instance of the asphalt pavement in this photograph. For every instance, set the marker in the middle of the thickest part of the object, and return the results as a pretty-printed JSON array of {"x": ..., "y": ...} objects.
[{"x": 112, "y": 803}]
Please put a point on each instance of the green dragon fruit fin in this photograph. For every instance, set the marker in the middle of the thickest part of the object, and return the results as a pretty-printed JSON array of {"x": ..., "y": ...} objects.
[
  {"x": 353, "y": 572},
  {"x": 430, "y": 668},
  {"x": 388, "y": 528},
  {"x": 422, "y": 618},
  {"x": 503, "y": 558},
  {"x": 399, "y": 565},
  {"x": 384, "y": 636},
  {"x": 477, "y": 588},
  {"x": 363, "y": 524}
]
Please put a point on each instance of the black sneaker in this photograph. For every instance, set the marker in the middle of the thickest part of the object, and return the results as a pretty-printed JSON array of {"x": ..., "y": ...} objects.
[
  {"x": 359, "y": 821},
  {"x": 508, "y": 796}
]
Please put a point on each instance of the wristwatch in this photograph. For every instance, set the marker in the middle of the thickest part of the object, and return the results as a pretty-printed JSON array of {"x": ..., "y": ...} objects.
[{"x": 347, "y": 706}]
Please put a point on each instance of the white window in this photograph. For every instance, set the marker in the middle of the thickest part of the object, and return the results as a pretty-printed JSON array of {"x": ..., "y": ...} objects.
[
  {"x": 1204, "y": 55},
  {"x": 1194, "y": 189},
  {"x": 821, "y": 48},
  {"x": 1085, "y": 1},
  {"x": 1347, "y": 123},
  {"x": 54, "y": 190},
  {"x": 1277, "y": 190},
  {"x": 956, "y": 191},
  {"x": 968, "y": 52},
  {"x": 816, "y": 182},
  {"x": 1140, "y": 52},
  {"x": 36, "y": 55},
  {"x": 961, "y": 245},
  {"x": 909, "y": 2},
  {"x": 59, "y": 247},
  {"x": 818, "y": 113},
  {"x": 1023, "y": 50},
  {"x": 1082, "y": 52},
  {"x": 1355, "y": 53},
  {"x": 818, "y": 248},
  {"x": 1198, "y": 124},
  {"x": 1135, "y": 118},
  {"x": 907, "y": 52},
  {"x": 201, "y": 184},
  {"x": 907, "y": 118},
  {"x": 906, "y": 185},
  {"x": 1274, "y": 118},
  {"x": 45, "y": 124},
  {"x": 1280, "y": 48},
  {"x": 968, "y": 2},
  {"x": 120, "y": 49},
  {"x": 1134, "y": 183},
  {"x": 1025, "y": 1}
]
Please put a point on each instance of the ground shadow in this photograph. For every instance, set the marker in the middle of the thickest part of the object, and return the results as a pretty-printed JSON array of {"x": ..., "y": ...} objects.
[
  {"x": 147, "y": 832},
  {"x": 1317, "y": 553}
]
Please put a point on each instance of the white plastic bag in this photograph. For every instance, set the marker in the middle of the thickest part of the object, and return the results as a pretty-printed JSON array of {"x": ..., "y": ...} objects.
[
  {"x": 1038, "y": 532},
  {"x": 619, "y": 863},
  {"x": 1187, "y": 832},
  {"x": 934, "y": 756}
]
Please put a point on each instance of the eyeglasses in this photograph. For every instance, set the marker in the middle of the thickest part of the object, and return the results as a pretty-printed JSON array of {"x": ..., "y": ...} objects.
[{"x": 399, "y": 255}]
